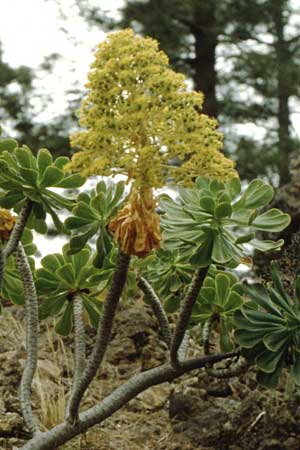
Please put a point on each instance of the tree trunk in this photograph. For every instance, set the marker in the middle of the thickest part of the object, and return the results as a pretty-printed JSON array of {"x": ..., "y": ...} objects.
[
  {"x": 283, "y": 112},
  {"x": 205, "y": 76}
]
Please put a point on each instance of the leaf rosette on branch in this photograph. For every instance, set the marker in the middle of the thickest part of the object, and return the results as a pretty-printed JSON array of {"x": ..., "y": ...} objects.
[
  {"x": 212, "y": 222},
  {"x": 138, "y": 116},
  {"x": 268, "y": 330},
  {"x": 61, "y": 277},
  {"x": 91, "y": 216},
  {"x": 24, "y": 177},
  {"x": 219, "y": 298}
]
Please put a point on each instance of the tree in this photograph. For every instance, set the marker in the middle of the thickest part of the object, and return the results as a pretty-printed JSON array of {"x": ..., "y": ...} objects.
[{"x": 265, "y": 65}]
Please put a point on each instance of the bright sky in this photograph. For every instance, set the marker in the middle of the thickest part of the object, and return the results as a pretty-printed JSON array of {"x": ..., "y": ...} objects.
[{"x": 30, "y": 30}]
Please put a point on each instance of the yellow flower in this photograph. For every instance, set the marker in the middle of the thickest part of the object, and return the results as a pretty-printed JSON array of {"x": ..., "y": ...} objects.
[{"x": 138, "y": 115}]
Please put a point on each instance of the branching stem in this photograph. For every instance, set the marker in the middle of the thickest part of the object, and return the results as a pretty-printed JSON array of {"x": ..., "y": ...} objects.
[
  {"x": 185, "y": 313},
  {"x": 32, "y": 323},
  {"x": 117, "y": 399},
  {"x": 157, "y": 309}
]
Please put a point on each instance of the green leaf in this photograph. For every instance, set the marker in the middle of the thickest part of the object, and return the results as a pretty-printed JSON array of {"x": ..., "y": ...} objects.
[
  {"x": 66, "y": 274},
  {"x": 268, "y": 361},
  {"x": 7, "y": 144},
  {"x": 234, "y": 187},
  {"x": 270, "y": 380},
  {"x": 266, "y": 246},
  {"x": 44, "y": 159},
  {"x": 202, "y": 257},
  {"x": 51, "y": 176},
  {"x": 223, "y": 210},
  {"x": 260, "y": 295},
  {"x": 40, "y": 226},
  {"x": 257, "y": 195},
  {"x": 25, "y": 158},
  {"x": 74, "y": 222},
  {"x": 29, "y": 175},
  {"x": 51, "y": 306},
  {"x": 273, "y": 220},
  {"x": 79, "y": 241},
  {"x": 92, "y": 312},
  {"x": 52, "y": 262},
  {"x": 64, "y": 325},
  {"x": 275, "y": 340},
  {"x": 278, "y": 284},
  {"x": 71, "y": 182},
  {"x": 61, "y": 161},
  {"x": 226, "y": 344},
  {"x": 222, "y": 288},
  {"x": 234, "y": 302},
  {"x": 208, "y": 204},
  {"x": 80, "y": 260}
]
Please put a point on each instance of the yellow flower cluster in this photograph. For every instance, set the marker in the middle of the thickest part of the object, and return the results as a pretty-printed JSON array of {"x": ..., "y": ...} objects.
[
  {"x": 7, "y": 222},
  {"x": 138, "y": 115}
]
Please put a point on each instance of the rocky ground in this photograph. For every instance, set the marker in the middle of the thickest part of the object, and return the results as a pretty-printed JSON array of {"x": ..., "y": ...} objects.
[{"x": 196, "y": 412}]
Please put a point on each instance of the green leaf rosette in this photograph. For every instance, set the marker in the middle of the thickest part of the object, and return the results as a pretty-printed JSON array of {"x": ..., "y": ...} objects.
[
  {"x": 219, "y": 298},
  {"x": 61, "y": 277},
  {"x": 91, "y": 216},
  {"x": 213, "y": 222},
  {"x": 169, "y": 275},
  {"x": 25, "y": 176},
  {"x": 268, "y": 330}
]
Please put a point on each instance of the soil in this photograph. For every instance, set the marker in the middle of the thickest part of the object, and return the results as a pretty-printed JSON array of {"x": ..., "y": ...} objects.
[{"x": 195, "y": 412}]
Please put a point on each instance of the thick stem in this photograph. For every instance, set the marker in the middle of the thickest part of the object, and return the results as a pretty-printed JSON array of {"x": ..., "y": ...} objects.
[
  {"x": 32, "y": 322},
  {"x": 116, "y": 400},
  {"x": 79, "y": 340},
  {"x": 18, "y": 229},
  {"x": 185, "y": 312},
  {"x": 103, "y": 335},
  {"x": 184, "y": 346},
  {"x": 157, "y": 308}
]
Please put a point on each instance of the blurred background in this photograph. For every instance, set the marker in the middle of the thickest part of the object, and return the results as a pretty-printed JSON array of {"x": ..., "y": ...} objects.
[{"x": 243, "y": 55}]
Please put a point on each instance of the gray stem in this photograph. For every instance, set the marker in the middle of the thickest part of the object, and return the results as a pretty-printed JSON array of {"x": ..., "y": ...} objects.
[
  {"x": 18, "y": 229},
  {"x": 79, "y": 340},
  {"x": 32, "y": 322},
  {"x": 184, "y": 346},
  {"x": 103, "y": 335},
  {"x": 185, "y": 313},
  {"x": 157, "y": 308},
  {"x": 62, "y": 433}
]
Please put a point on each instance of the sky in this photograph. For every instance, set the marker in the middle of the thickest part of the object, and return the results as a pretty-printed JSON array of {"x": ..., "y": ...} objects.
[{"x": 30, "y": 30}]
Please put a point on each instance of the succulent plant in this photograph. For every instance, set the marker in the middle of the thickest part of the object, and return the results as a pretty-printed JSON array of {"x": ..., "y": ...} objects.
[
  {"x": 213, "y": 221},
  {"x": 219, "y": 298},
  {"x": 61, "y": 277},
  {"x": 91, "y": 217},
  {"x": 268, "y": 330},
  {"x": 169, "y": 275},
  {"x": 24, "y": 176}
]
